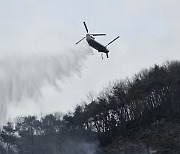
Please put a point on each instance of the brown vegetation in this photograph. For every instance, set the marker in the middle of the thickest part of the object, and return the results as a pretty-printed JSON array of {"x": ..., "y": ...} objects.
[{"x": 127, "y": 106}]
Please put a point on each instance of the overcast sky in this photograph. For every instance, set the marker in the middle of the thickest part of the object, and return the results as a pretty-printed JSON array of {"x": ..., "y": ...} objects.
[{"x": 43, "y": 71}]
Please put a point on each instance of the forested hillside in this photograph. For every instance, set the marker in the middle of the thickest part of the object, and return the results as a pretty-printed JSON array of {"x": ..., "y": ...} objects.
[{"x": 128, "y": 105}]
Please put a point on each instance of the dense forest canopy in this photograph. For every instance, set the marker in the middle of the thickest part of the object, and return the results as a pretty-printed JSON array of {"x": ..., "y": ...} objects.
[{"x": 148, "y": 97}]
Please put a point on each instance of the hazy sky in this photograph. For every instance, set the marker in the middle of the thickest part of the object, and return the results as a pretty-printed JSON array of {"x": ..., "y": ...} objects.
[{"x": 43, "y": 71}]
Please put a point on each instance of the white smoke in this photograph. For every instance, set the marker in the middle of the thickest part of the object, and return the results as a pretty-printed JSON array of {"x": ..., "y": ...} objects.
[
  {"x": 24, "y": 77},
  {"x": 72, "y": 147}
]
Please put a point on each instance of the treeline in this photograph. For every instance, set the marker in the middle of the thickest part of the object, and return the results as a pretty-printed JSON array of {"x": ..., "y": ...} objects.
[
  {"x": 151, "y": 95},
  {"x": 50, "y": 134}
]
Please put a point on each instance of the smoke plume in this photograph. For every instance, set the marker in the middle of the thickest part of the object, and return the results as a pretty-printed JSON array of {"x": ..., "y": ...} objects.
[{"x": 24, "y": 77}]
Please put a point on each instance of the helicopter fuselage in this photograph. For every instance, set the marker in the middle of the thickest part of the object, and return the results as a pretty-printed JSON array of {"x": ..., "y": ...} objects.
[{"x": 96, "y": 45}]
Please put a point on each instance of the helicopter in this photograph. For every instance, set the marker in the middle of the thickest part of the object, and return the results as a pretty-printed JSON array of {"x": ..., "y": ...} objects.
[{"x": 94, "y": 44}]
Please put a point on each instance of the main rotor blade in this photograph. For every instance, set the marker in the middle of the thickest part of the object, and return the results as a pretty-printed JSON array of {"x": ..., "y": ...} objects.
[
  {"x": 97, "y": 34},
  {"x": 81, "y": 40},
  {"x": 112, "y": 41},
  {"x": 85, "y": 27}
]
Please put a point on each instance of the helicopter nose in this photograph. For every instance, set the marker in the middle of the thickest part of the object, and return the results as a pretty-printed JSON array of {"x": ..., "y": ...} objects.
[{"x": 107, "y": 49}]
